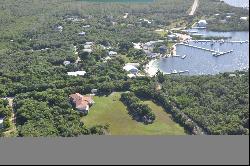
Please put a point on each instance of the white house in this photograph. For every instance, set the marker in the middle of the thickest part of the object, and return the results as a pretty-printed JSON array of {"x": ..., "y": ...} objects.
[
  {"x": 89, "y": 43},
  {"x": 77, "y": 73},
  {"x": 137, "y": 46},
  {"x": 86, "y": 26},
  {"x": 60, "y": 28},
  {"x": 82, "y": 33},
  {"x": 202, "y": 23},
  {"x": 130, "y": 68},
  {"x": 244, "y": 18},
  {"x": 1, "y": 122},
  {"x": 87, "y": 50},
  {"x": 87, "y": 46},
  {"x": 112, "y": 53}
]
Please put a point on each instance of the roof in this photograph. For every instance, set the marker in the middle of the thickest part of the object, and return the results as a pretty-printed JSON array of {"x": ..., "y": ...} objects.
[
  {"x": 131, "y": 75},
  {"x": 1, "y": 119},
  {"x": 76, "y": 73},
  {"x": 89, "y": 43},
  {"x": 82, "y": 33},
  {"x": 244, "y": 18},
  {"x": 81, "y": 102},
  {"x": 202, "y": 21},
  {"x": 87, "y": 46},
  {"x": 130, "y": 68},
  {"x": 112, "y": 53},
  {"x": 87, "y": 50}
]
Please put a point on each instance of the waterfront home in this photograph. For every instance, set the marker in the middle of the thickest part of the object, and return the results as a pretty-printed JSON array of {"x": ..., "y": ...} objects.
[
  {"x": 202, "y": 23},
  {"x": 77, "y": 73},
  {"x": 154, "y": 55},
  {"x": 81, "y": 103},
  {"x": 130, "y": 68}
]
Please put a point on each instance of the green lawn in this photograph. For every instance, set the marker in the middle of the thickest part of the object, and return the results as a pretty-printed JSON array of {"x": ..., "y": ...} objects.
[{"x": 110, "y": 110}]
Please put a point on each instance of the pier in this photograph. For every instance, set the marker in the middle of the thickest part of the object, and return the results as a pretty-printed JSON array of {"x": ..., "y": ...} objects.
[
  {"x": 214, "y": 52},
  {"x": 201, "y": 48},
  {"x": 219, "y": 41}
]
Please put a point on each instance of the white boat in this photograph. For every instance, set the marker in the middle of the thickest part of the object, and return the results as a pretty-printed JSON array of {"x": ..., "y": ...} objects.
[
  {"x": 174, "y": 72},
  {"x": 184, "y": 56}
]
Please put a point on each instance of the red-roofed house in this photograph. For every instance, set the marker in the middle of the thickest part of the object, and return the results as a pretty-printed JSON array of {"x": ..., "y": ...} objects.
[{"x": 82, "y": 103}]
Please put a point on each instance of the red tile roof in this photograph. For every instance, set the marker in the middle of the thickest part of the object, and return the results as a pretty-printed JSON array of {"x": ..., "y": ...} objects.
[{"x": 81, "y": 102}]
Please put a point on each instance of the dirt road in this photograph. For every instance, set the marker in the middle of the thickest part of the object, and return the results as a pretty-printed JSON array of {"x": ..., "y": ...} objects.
[{"x": 194, "y": 7}]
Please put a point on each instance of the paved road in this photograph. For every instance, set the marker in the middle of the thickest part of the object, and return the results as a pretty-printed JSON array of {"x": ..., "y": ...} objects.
[{"x": 194, "y": 7}]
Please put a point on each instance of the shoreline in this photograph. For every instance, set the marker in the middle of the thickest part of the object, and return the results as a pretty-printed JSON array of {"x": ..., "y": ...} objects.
[{"x": 150, "y": 69}]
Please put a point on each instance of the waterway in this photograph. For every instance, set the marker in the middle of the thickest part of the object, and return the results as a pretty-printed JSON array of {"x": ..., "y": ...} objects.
[{"x": 200, "y": 62}]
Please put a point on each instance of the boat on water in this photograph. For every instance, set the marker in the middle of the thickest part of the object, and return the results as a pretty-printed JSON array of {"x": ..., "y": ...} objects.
[
  {"x": 184, "y": 56},
  {"x": 174, "y": 72}
]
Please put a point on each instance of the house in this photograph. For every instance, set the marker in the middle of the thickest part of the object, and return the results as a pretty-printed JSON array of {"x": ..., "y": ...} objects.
[
  {"x": 66, "y": 63},
  {"x": 82, "y": 33},
  {"x": 77, "y": 73},
  {"x": 59, "y": 28},
  {"x": 131, "y": 75},
  {"x": 87, "y": 46},
  {"x": 202, "y": 23},
  {"x": 81, "y": 103},
  {"x": 244, "y": 18},
  {"x": 137, "y": 46},
  {"x": 86, "y": 26},
  {"x": 130, "y": 68},
  {"x": 154, "y": 55},
  {"x": 1, "y": 122},
  {"x": 112, "y": 53},
  {"x": 89, "y": 43},
  {"x": 87, "y": 50}
]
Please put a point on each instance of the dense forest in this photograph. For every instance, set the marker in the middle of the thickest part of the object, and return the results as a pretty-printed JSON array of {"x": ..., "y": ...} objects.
[
  {"x": 218, "y": 104},
  {"x": 37, "y": 37}
]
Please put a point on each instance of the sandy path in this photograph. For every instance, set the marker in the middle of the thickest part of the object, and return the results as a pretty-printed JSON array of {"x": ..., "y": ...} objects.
[{"x": 194, "y": 7}]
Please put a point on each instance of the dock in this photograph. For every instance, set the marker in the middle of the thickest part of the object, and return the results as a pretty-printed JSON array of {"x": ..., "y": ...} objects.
[
  {"x": 201, "y": 48},
  {"x": 219, "y": 41},
  {"x": 214, "y": 52}
]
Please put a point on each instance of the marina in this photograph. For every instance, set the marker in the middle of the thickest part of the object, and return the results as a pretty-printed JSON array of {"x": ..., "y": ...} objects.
[{"x": 202, "y": 57}]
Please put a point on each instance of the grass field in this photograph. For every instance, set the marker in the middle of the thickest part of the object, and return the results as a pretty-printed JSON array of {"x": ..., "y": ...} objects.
[{"x": 110, "y": 110}]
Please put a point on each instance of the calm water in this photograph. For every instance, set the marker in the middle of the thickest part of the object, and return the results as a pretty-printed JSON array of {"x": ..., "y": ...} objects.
[
  {"x": 238, "y": 3},
  {"x": 200, "y": 62}
]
